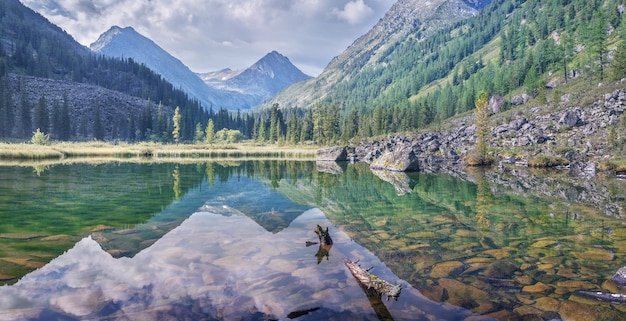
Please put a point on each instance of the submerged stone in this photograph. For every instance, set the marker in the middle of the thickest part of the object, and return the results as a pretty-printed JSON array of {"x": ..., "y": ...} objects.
[
  {"x": 547, "y": 304},
  {"x": 445, "y": 269},
  {"x": 594, "y": 254},
  {"x": 536, "y": 288}
]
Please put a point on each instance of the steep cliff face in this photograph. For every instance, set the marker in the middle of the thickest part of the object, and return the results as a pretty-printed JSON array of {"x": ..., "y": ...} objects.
[{"x": 406, "y": 17}]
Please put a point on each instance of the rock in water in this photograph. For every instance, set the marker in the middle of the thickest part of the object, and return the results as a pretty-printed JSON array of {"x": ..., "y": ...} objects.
[
  {"x": 400, "y": 159},
  {"x": 332, "y": 154}
]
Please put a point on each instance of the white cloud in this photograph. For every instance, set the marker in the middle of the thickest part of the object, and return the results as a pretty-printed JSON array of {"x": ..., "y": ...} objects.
[{"x": 354, "y": 12}]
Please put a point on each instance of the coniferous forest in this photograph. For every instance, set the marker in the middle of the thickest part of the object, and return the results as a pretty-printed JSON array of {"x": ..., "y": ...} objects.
[{"x": 512, "y": 47}]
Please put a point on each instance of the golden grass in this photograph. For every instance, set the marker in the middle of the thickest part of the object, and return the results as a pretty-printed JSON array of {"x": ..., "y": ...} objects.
[{"x": 64, "y": 150}]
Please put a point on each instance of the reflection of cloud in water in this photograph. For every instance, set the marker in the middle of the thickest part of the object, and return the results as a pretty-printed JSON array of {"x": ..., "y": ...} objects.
[{"x": 212, "y": 266}]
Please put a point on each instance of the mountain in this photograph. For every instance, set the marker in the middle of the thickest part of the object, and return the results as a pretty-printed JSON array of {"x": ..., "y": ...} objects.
[
  {"x": 41, "y": 66},
  {"x": 127, "y": 43},
  {"x": 260, "y": 81},
  {"x": 229, "y": 89},
  {"x": 416, "y": 18}
]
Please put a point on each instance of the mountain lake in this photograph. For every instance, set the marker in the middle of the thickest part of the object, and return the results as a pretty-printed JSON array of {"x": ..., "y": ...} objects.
[{"x": 237, "y": 240}]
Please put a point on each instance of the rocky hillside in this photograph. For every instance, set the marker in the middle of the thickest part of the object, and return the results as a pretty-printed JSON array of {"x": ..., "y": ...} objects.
[
  {"x": 115, "y": 109},
  {"x": 404, "y": 17},
  {"x": 570, "y": 135}
]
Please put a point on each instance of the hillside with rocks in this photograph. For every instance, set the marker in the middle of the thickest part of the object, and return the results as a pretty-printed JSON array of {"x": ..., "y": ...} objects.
[
  {"x": 579, "y": 137},
  {"x": 117, "y": 112}
]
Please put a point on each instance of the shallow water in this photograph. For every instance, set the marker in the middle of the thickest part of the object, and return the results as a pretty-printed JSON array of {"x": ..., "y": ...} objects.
[{"x": 228, "y": 241}]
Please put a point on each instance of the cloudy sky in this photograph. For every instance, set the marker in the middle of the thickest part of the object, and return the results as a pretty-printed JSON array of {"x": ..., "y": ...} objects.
[{"x": 209, "y": 35}]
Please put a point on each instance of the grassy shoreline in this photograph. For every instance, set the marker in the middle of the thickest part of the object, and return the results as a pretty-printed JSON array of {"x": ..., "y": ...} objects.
[{"x": 65, "y": 150}]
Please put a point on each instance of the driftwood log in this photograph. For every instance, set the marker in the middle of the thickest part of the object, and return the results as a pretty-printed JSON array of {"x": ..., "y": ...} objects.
[
  {"x": 617, "y": 298},
  {"x": 371, "y": 281},
  {"x": 325, "y": 242}
]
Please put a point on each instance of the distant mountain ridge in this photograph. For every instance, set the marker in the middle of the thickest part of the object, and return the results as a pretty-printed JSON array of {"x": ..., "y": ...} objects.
[
  {"x": 262, "y": 80},
  {"x": 226, "y": 88}
]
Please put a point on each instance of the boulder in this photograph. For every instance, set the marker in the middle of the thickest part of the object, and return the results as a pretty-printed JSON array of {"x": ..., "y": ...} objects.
[
  {"x": 520, "y": 99},
  {"x": 496, "y": 103},
  {"x": 400, "y": 159},
  {"x": 332, "y": 154},
  {"x": 516, "y": 124},
  {"x": 570, "y": 118}
]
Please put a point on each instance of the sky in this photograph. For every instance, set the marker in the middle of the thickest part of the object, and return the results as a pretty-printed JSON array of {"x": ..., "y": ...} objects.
[{"x": 210, "y": 35}]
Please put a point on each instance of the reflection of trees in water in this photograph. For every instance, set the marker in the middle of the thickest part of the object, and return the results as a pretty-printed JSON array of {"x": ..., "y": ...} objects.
[
  {"x": 40, "y": 169},
  {"x": 210, "y": 174},
  {"x": 176, "y": 185},
  {"x": 484, "y": 200}
]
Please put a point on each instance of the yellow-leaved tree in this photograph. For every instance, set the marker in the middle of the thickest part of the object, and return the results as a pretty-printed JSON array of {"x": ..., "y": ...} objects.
[
  {"x": 480, "y": 154},
  {"x": 176, "y": 131}
]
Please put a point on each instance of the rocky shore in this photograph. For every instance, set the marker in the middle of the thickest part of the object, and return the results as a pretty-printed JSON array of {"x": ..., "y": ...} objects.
[{"x": 582, "y": 136}]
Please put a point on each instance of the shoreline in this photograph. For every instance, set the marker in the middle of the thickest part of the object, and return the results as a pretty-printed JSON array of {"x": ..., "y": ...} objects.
[{"x": 21, "y": 152}]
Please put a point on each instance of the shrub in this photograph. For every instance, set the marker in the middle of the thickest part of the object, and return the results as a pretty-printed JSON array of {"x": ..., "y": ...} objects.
[
  {"x": 474, "y": 159},
  {"x": 617, "y": 165},
  {"x": 547, "y": 161},
  {"x": 39, "y": 138}
]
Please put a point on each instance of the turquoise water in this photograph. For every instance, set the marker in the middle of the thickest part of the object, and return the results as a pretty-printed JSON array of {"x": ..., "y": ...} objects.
[{"x": 228, "y": 241}]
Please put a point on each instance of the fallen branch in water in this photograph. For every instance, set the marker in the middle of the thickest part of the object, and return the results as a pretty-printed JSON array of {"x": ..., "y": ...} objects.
[
  {"x": 371, "y": 281},
  {"x": 605, "y": 297}
]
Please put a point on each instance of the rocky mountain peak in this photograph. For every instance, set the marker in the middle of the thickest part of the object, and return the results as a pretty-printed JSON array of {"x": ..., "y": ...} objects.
[{"x": 108, "y": 36}]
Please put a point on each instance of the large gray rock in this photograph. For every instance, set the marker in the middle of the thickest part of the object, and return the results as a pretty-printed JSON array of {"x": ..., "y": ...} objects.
[
  {"x": 332, "y": 154},
  {"x": 520, "y": 99},
  {"x": 570, "y": 118},
  {"x": 496, "y": 103},
  {"x": 400, "y": 159}
]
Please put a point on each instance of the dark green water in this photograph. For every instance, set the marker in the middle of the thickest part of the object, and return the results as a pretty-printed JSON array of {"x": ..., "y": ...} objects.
[{"x": 227, "y": 241}]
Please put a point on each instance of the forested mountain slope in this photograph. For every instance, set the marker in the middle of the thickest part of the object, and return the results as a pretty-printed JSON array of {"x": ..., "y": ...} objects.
[
  {"x": 33, "y": 47},
  {"x": 406, "y": 18},
  {"x": 515, "y": 49}
]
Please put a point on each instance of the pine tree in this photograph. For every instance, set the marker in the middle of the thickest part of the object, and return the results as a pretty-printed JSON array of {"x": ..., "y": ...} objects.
[
  {"x": 56, "y": 119},
  {"x": 132, "y": 134},
  {"x": 7, "y": 117},
  {"x": 617, "y": 70},
  {"x": 98, "y": 128},
  {"x": 567, "y": 49},
  {"x": 41, "y": 116},
  {"x": 261, "y": 135}
]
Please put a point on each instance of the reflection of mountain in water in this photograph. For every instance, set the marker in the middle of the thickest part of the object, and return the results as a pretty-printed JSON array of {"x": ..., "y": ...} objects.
[
  {"x": 247, "y": 196},
  {"x": 213, "y": 267}
]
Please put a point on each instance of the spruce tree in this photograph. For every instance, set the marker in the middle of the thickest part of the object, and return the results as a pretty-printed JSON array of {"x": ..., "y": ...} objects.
[
  {"x": 98, "y": 128},
  {"x": 41, "y": 116}
]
